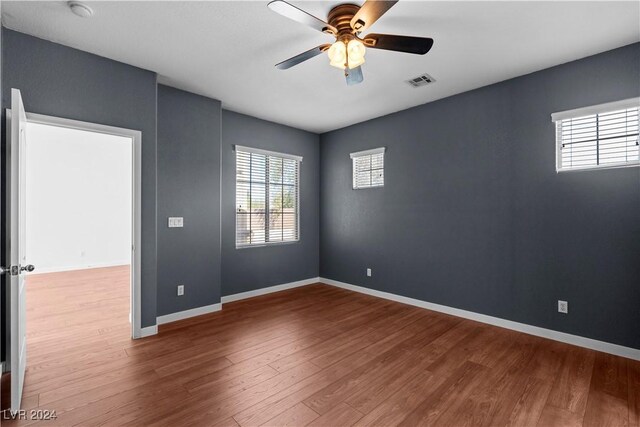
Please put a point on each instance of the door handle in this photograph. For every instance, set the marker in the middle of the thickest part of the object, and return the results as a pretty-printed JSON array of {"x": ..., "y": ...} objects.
[{"x": 28, "y": 268}]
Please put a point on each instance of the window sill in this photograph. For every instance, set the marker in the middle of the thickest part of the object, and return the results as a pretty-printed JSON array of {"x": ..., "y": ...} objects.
[
  {"x": 266, "y": 245},
  {"x": 368, "y": 188},
  {"x": 595, "y": 168}
]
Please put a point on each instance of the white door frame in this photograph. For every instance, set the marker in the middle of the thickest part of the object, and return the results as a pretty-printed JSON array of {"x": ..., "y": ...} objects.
[{"x": 136, "y": 234}]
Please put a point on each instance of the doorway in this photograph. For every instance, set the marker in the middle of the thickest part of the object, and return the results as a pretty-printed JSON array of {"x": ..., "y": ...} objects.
[
  {"x": 70, "y": 189},
  {"x": 83, "y": 183}
]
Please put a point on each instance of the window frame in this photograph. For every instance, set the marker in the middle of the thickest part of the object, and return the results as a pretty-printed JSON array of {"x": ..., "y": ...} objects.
[
  {"x": 364, "y": 153},
  {"x": 267, "y": 153},
  {"x": 607, "y": 107}
]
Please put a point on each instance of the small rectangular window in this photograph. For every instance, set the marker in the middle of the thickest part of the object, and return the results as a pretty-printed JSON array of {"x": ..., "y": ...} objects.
[
  {"x": 368, "y": 168},
  {"x": 267, "y": 197},
  {"x": 601, "y": 136}
]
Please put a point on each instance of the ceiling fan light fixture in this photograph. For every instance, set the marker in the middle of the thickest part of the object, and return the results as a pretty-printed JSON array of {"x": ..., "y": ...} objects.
[
  {"x": 338, "y": 55},
  {"x": 346, "y": 22},
  {"x": 355, "y": 53},
  {"x": 346, "y": 54}
]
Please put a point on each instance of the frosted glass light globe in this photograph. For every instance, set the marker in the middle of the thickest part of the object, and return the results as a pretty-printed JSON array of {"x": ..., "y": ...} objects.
[
  {"x": 355, "y": 53},
  {"x": 338, "y": 55}
]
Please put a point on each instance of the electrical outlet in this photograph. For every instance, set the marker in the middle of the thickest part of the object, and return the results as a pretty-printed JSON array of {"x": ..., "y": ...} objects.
[
  {"x": 368, "y": 272},
  {"x": 180, "y": 290},
  {"x": 563, "y": 307}
]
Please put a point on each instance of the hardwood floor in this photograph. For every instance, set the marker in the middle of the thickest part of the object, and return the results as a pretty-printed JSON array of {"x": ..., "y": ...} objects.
[{"x": 316, "y": 355}]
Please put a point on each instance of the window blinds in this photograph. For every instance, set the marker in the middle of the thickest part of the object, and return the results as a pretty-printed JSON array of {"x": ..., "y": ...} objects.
[
  {"x": 267, "y": 197},
  {"x": 605, "y": 137},
  {"x": 368, "y": 168}
]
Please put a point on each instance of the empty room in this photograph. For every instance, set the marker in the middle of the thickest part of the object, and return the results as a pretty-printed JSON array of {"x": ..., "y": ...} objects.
[{"x": 320, "y": 213}]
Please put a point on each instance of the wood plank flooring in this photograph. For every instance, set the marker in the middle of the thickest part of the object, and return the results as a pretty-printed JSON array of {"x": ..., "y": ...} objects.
[{"x": 316, "y": 355}]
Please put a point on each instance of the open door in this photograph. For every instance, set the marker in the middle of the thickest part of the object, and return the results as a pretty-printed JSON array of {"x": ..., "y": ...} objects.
[{"x": 17, "y": 266}]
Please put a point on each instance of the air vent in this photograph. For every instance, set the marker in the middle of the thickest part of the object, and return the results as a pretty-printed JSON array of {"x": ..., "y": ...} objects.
[{"x": 422, "y": 80}]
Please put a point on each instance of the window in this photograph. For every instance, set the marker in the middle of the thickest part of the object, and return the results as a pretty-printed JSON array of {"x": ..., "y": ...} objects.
[
  {"x": 368, "y": 168},
  {"x": 267, "y": 197},
  {"x": 602, "y": 136}
]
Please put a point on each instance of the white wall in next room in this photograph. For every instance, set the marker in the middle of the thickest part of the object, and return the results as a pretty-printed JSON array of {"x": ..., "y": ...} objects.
[{"x": 78, "y": 198}]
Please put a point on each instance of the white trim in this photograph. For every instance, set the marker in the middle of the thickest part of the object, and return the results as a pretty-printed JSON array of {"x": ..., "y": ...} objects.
[
  {"x": 368, "y": 152},
  {"x": 269, "y": 290},
  {"x": 136, "y": 207},
  {"x": 181, "y": 315},
  {"x": 558, "y": 119},
  {"x": 265, "y": 244},
  {"x": 595, "y": 109},
  {"x": 597, "y": 167},
  {"x": 266, "y": 152},
  {"x": 148, "y": 331},
  {"x": 79, "y": 267},
  {"x": 579, "y": 341}
]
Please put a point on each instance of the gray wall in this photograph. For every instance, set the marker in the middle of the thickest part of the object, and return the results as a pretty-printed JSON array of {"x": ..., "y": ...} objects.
[
  {"x": 64, "y": 82},
  {"x": 473, "y": 214},
  {"x": 188, "y": 186},
  {"x": 254, "y": 268}
]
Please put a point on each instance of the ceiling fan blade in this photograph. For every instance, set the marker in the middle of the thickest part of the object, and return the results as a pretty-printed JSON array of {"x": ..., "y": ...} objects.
[
  {"x": 354, "y": 76},
  {"x": 290, "y": 11},
  {"x": 369, "y": 13},
  {"x": 408, "y": 44},
  {"x": 302, "y": 57}
]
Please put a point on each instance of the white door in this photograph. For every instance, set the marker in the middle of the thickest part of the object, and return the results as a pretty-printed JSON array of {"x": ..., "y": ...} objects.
[{"x": 17, "y": 264}]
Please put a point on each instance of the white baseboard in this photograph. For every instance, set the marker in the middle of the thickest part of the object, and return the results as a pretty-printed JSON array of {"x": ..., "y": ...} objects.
[
  {"x": 148, "y": 331},
  {"x": 577, "y": 340},
  {"x": 269, "y": 290},
  {"x": 181, "y": 315},
  {"x": 79, "y": 267}
]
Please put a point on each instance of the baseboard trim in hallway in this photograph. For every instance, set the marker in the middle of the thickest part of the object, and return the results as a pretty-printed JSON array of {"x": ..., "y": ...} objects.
[{"x": 577, "y": 340}]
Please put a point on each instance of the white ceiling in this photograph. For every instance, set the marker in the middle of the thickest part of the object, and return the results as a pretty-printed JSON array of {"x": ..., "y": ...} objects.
[{"x": 227, "y": 50}]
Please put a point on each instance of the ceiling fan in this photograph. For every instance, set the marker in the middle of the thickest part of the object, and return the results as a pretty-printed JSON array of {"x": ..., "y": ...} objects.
[{"x": 346, "y": 22}]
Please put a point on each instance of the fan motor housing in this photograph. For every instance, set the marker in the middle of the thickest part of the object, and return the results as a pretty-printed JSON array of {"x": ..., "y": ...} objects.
[{"x": 340, "y": 17}]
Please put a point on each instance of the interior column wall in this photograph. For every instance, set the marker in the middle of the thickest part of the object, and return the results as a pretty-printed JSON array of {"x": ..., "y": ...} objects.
[{"x": 189, "y": 139}]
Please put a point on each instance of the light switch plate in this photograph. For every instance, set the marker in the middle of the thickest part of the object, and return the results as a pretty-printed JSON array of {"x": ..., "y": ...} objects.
[{"x": 176, "y": 221}]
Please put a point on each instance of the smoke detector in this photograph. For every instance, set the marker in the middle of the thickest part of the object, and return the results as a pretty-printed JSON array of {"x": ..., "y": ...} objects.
[{"x": 80, "y": 9}]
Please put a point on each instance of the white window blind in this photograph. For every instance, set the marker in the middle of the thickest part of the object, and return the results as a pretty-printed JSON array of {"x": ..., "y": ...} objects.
[
  {"x": 603, "y": 136},
  {"x": 267, "y": 197},
  {"x": 368, "y": 168}
]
